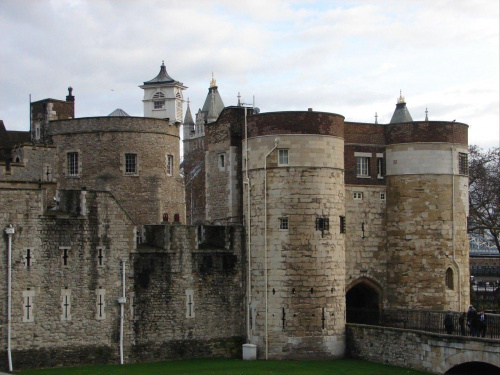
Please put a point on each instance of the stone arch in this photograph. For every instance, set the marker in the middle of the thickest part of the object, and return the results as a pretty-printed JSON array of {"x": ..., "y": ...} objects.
[
  {"x": 467, "y": 356},
  {"x": 363, "y": 301}
]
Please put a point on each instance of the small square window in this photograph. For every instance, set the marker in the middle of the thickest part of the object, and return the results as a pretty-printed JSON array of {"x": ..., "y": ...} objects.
[
  {"x": 170, "y": 165},
  {"x": 72, "y": 167},
  {"x": 362, "y": 164},
  {"x": 382, "y": 196},
  {"x": 283, "y": 157},
  {"x": 131, "y": 164},
  {"x": 283, "y": 223},
  {"x": 357, "y": 196},
  {"x": 463, "y": 167}
]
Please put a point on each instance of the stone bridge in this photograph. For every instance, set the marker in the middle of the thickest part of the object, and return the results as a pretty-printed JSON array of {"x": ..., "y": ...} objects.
[{"x": 424, "y": 351}]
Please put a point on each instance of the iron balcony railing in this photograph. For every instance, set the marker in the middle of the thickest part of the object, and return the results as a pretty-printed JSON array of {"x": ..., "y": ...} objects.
[{"x": 421, "y": 320}]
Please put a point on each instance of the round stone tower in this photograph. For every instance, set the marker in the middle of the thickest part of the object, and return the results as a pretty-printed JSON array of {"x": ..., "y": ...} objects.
[
  {"x": 297, "y": 258},
  {"x": 427, "y": 207},
  {"x": 135, "y": 158}
]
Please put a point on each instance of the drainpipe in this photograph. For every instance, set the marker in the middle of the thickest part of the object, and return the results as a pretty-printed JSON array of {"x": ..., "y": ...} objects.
[
  {"x": 10, "y": 232},
  {"x": 452, "y": 149},
  {"x": 122, "y": 300},
  {"x": 276, "y": 140},
  {"x": 249, "y": 241}
]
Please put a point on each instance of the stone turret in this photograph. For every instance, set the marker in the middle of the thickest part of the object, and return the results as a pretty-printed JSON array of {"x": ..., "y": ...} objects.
[
  {"x": 296, "y": 173},
  {"x": 427, "y": 207}
]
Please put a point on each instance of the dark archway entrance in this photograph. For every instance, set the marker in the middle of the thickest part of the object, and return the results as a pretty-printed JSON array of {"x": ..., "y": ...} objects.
[
  {"x": 362, "y": 304},
  {"x": 474, "y": 368}
]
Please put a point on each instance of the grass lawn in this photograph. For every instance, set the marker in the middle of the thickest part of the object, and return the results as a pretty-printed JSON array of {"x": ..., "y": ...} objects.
[{"x": 234, "y": 367}]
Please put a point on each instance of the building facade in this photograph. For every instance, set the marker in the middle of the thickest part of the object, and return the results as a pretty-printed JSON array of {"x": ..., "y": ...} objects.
[{"x": 284, "y": 226}]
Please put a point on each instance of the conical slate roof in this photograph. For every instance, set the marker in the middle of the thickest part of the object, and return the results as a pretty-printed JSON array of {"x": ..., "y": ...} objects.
[
  {"x": 162, "y": 77},
  {"x": 188, "y": 119},
  {"x": 401, "y": 113},
  {"x": 118, "y": 113}
]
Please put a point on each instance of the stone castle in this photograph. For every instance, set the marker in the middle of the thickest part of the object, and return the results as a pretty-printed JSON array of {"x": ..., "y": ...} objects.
[{"x": 274, "y": 230}]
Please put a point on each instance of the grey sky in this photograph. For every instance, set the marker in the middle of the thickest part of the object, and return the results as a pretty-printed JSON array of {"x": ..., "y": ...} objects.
[{"x": 346, "y": 57}]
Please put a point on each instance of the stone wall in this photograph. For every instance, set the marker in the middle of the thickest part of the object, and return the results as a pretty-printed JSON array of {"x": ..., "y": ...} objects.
[
  {"x": 223, "y": 167},
  {"x": 194, "y": 174},
  {"x": 418, "y": 350},
  {"x": 56, "y": 316},
  {"x": 365, "y": 238},
  {"x": 101, "y": 144},
  {"x": 189, "y": 294},
  {"x": 32, "y": 165}
]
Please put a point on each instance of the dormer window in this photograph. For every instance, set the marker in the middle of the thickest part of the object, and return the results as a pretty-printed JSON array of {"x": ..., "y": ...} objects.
[{"x": 159, "y": 100}]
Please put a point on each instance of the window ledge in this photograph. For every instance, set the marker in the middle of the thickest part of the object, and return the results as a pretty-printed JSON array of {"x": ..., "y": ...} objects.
[{"x": 362, "y": 176}]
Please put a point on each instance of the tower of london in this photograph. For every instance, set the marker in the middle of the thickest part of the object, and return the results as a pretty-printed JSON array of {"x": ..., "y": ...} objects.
[{"x": 273, "y": 229}]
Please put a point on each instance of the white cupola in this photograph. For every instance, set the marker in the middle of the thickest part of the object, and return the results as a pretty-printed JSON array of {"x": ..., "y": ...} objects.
[{"x": 163, "y": 97}]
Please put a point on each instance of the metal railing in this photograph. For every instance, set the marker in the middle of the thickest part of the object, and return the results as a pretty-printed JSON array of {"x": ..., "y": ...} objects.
[{"x": 421, "y": 320}]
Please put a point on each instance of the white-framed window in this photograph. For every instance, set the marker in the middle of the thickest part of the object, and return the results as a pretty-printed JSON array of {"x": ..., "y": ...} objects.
[
  {"x": 28, "y": 306},
  {"x": 159, "y": 100},
  {"x": 221, "y": 158},
  {"x": 380, "y": 168},
  {"x": 37, "y": 130},
  {"x": 170, "y": 165},
  {"x": 65, "y": 304},
  {"x": 283, "y": 223},
  {"x": 130, "y": 164},
  {"x": 357, "y": 196},
  {"x": 362, "y": 164},
  {"x": 100, "y": 304},
  {"x": 283, "y": 156},
  {"x": 72, "y": 163},
  {"x": 189, "y": 303},
  {"x": 382, "y": 195}
]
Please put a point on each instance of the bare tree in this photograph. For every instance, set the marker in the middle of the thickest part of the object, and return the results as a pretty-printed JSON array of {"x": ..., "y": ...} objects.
[{"x": 484, "y": 192}]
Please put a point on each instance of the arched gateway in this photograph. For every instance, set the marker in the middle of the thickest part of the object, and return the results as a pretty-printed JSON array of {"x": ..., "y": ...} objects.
[{"x": 363, "y": 299}]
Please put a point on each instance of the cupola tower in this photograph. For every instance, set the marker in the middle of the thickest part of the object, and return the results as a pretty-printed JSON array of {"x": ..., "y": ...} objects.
[{"x": 163, "y": 97}]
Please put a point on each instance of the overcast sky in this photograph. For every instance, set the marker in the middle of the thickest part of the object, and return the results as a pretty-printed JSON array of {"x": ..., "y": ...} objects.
[{"x": 347, "y": 57}]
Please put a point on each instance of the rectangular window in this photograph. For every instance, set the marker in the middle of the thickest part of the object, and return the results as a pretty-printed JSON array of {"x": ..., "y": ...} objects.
[
  {"x": 159, "y": 104},
  {"x": 322, "y": 223},
  {"x": 66, "y": 304},
  {"x": 100, "y": 304},
  {"x": 189, "y": 303},
  {"x": 130, "y": 164},
  {"x": 222, "y": 161},
  {"x": 170, "y": 165},
  {"x": 28, "y": 306},
  {"x": 100, "y": 256},
  {"x": 283, "y": 223},
  {"x": 342, "y": 224},
  {"x": 362, "y": 169},
  {"x": 382, "y": 196},
  {"x": 283, "y": 156},
  {"x": 463, "y": 166},
  {"x": 357, "y": 196},
  {"x": 65, "y": 256},
  {"x": 380, "y": 168},
  {"x": 72, "y": 163}
]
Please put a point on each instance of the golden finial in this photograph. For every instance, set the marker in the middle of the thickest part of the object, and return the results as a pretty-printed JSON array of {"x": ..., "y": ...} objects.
[
  {"x": 213, "y": 82},
  {"x": 401, "y": 98}
]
